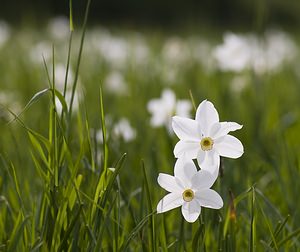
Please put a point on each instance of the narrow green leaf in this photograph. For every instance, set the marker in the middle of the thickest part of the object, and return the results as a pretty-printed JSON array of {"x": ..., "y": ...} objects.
[
  {"x": 61, "y": 100},
  {"x": 136, "y": 231},
  {"x": 17, "y": 232},
  {"x": 152, "y": 246},
  {"x": 71, "y": 16},
  {"x": 67, "y": 234},
  {"x": 236, "y": 201},
  {"x": 162, "y": 235},
  {"x": 289, "y": 237},
  {"x": 79, "y": 56},
  {"x": 196, "y": 238},
  {"x": 38, "y": 148},
  {"x": 193, "y": 100},
  {"x": 279, "y": 228},
  {"x": 34, "y": 99},
  {"x": 102, "y": 178},
  {"x": 252, "y": 241},
  {"x": 116, "y": 172},
  {"x": 269, "y": 226}
]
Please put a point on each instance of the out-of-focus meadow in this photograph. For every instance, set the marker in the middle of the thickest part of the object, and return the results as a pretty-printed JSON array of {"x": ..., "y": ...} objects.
[{"x": 53, "y": 194}]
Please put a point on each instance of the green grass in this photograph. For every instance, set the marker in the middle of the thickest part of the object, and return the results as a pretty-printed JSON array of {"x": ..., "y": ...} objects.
[{"x": 58, "y": 193}]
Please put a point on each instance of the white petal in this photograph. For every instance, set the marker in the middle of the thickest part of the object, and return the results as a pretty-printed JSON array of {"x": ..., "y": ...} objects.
[
  {"x": 170, "y": 201},
  {"x": 214, "y": 170},
  {"x": 203, "y": 180},
  {"x": 191, "y": 211},
  {"x": 185, "y": 128},
  {"x": 223, "y": 128},
  {"x": 207, "y": 116},
  {"x": 183, "y": 108},
  {"x": 187, "y": 149},
  {"x": 158, "y": 115},
  {"x": 209, "y": 198},
  {"x": 210, "y": 162},
  {"x": 185, "y": 169},
  {"x": 168, "y": 182},
  {"x": 169, "y": 99},
  {"x": 229, "y": 146},
  {"x": 200, "y": 156},
  {"x": 214, "y": 130},
  {"x": 153, "y": 105},
  {"x": 157, "y": 121}
]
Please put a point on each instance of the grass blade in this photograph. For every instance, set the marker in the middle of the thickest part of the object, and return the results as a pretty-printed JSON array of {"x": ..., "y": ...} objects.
[
  {"x": 152, "y": 246},
  {"x": 252, "y": 238}
]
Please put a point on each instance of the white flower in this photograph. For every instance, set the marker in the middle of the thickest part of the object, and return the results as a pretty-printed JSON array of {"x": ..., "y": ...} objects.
[
  {"x": 164, "y": 108},
  {"x": 60, "y": 75},
  {"x": 114, "y": 50},
  {"x": 201, "y": 51},
  {"x": 239, "y": 83},
  {"x": 115, "y": 83},
  {"x": 236, "y": 53},
  {"x": 205, "y": 138},
  {"x": 4, "y": 32},
  {"x": 59, "y": 27},
  {"x": 262, "y": 54},
  {"x": 279, "y": 49},
  {"x": 9, "y": 100},
  {"x": 78, "y": 97},
  {"x": 123, "y": 129},
  {"x": 175, "y": 51},
  {"x": 39, "y": 51},
  {"x": 189, "y": 189},
  {"x": 139, "y": 51}
]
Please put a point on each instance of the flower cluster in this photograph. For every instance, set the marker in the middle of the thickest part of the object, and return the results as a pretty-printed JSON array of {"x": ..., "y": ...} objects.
[
  {"x": 162, "y": 109},
  {"x": 204, "y": 139}
]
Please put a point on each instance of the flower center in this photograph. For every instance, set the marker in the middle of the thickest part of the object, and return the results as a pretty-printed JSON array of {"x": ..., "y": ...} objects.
[
  {"x": 206, "y": 143},
  {"x": 188, "y": 195}
]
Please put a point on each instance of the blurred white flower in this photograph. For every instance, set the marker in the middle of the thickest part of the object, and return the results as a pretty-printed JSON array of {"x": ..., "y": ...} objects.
[
  {"x": 266, "y": 54},
  {"x": 279, "y": 49},
  {"x": 139, "y": 51},
  {"x": 114, "y": 50},
  {"x": 59, "y": 28},
  {"x": 124, "y": 130},
  {"x": 164, "y": 108},
  {"x": 201, "y": 52},
  {"x": 170, "y": 74},
  {"x": 78, "y": 96},
  {"x": 99, "y": 136},
  {"x": 175, "y": 51},
  {"x": 205, "y": 138},
  {"x": 238, "y": 83},
  {"x": 118, "y": 51},
  {"x": 39, "y": 51},
  {"x": 236, "y": 53},
  {"x": 99, "y": 133},
  {"x": 9, "y": 100},
  {"x": 115, "y": 83},
  {"x": 189, "y": 189},
  {"x": 4, "y": 32},
  {"x": 94, "y": 37},
  {"x": 60, "y": 75}
]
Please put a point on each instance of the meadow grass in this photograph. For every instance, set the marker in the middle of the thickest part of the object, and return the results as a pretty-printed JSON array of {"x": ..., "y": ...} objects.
[{"x": 62, "y": 188}]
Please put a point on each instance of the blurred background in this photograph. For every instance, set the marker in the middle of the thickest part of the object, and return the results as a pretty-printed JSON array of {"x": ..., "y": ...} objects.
[
  {"x": 151, "y": 57},
  {"x": 246, "y": 14}
]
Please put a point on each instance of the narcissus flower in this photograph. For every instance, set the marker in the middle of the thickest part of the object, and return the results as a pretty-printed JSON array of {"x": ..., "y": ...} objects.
[
  {"x": 205, "y": 138},
  {"x": 125, "y": 130},
  {"x": 162, "y": 109},
  {"x": 189, "y": 189}
]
